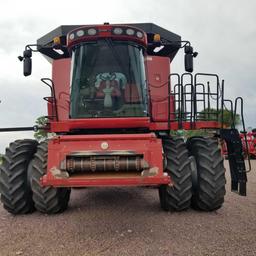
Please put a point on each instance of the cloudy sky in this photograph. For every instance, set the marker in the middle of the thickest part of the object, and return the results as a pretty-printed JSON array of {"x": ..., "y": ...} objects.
[{"x": 223, "y": 32}]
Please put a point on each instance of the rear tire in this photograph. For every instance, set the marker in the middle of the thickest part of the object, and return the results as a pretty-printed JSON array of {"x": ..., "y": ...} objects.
[
  {"x": 176, "y": 197},
  {"x": 47, "y": 199},
  {"x": 16, "y": 194},
  {"x": 210, "y": 189}
]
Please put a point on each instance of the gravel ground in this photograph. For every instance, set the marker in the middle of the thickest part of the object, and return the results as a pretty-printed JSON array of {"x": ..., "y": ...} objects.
[{"x": 129, "y": 221}]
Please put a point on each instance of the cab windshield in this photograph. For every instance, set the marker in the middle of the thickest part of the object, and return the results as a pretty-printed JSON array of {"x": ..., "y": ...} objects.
[{"x": 108, "y": 80}]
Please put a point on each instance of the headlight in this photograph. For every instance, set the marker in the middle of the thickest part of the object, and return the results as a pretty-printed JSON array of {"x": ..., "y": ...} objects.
[
  {"x": 118, "y": 31},
  {"x": 92, "y": 31},
  {"x": 80, "y": 33},
  {"x": 72, "y": 36},
  {"x": 130, "y": 32},
  {"x": 139, "y": 34}
]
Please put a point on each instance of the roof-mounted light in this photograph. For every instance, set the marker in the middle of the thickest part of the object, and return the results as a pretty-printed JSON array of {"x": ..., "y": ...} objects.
[
  {"x": 71, "y": 36},
  {"x": 91, "y": 31},
  {"x": 80, "y": 33},
  {"x": 118, "y": 31},
  {"x": 130, "y": 32},
  {"x": 139, "y": 34}
]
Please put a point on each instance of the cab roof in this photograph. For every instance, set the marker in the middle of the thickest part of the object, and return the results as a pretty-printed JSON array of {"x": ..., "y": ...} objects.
[{"x": 172, "y": 41}]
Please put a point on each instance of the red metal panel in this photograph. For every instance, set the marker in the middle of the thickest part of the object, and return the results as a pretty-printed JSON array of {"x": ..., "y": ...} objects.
[
  {"x": 186, "y": 125},
  {"x": 158, "y": 70},
  {"x": 61, "y": 79},
  {"x": 143, "y": 122},
  {"x": 106, "y": 182},
  {"x": 100, "y": 123},
  {"x": 50, "y": 109},
  {"x": 145, "y": 144},
  {"x": 205, "y": 125}
]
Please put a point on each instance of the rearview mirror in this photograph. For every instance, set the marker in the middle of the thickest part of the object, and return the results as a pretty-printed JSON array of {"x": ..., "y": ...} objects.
[
  {"x": 189, "y": 62},
  {"x": 27, "y": 66},
  {"x": 27, "y": 62}
]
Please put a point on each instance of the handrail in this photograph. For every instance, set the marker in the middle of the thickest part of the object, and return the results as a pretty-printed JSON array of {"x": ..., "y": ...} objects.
[
  {"x": 52, "y": 88},
  {"x": 244, "y": 130}
]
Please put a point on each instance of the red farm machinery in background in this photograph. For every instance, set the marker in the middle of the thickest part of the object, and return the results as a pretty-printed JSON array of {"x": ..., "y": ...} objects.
[
  {"x": 113, "y": 106},
  {"x": 248, "y": 142}
]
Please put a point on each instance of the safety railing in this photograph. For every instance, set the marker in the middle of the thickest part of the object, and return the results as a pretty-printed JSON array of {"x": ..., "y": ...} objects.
[{"x": 196, "y": 98}]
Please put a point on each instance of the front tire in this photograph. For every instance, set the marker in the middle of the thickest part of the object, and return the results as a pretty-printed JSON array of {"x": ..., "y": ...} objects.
[
  {"x": 16, "y": 194},
  {"x": 47, "y": 199},
  {"x": 210, "y": 188},
  {"x": 176, "y": 197}
]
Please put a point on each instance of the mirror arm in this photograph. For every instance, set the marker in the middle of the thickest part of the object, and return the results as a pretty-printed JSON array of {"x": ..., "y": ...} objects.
[
  {"x": 27, "y": 57},
  {"x": 29, "y": 47}
]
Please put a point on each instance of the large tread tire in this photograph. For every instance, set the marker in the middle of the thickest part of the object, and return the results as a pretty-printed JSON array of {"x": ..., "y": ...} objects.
[
  {"x": 176, "y": 197},
  {"x": 210, "y": 190},
  {"x": 16, "y": 194},
  {"x": 49, "y": 200}
]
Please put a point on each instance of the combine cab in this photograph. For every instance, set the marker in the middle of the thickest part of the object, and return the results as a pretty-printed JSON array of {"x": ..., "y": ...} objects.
[{"x": 113, "y": 106}]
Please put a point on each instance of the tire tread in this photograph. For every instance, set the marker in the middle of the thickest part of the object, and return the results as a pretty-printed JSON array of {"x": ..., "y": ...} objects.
[
  {"x": 16, "y": 194},
  {"x": 210, "y": 192},
  {"x": 48, "y": 199},
  {"x": 178, "y": 196}
]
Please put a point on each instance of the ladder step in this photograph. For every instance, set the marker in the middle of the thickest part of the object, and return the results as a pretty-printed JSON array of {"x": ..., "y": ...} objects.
[{"x": 236, "y": 160}]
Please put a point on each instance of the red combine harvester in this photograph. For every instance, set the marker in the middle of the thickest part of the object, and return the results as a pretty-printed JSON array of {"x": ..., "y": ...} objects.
[{"x": 113, "y": 104}]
